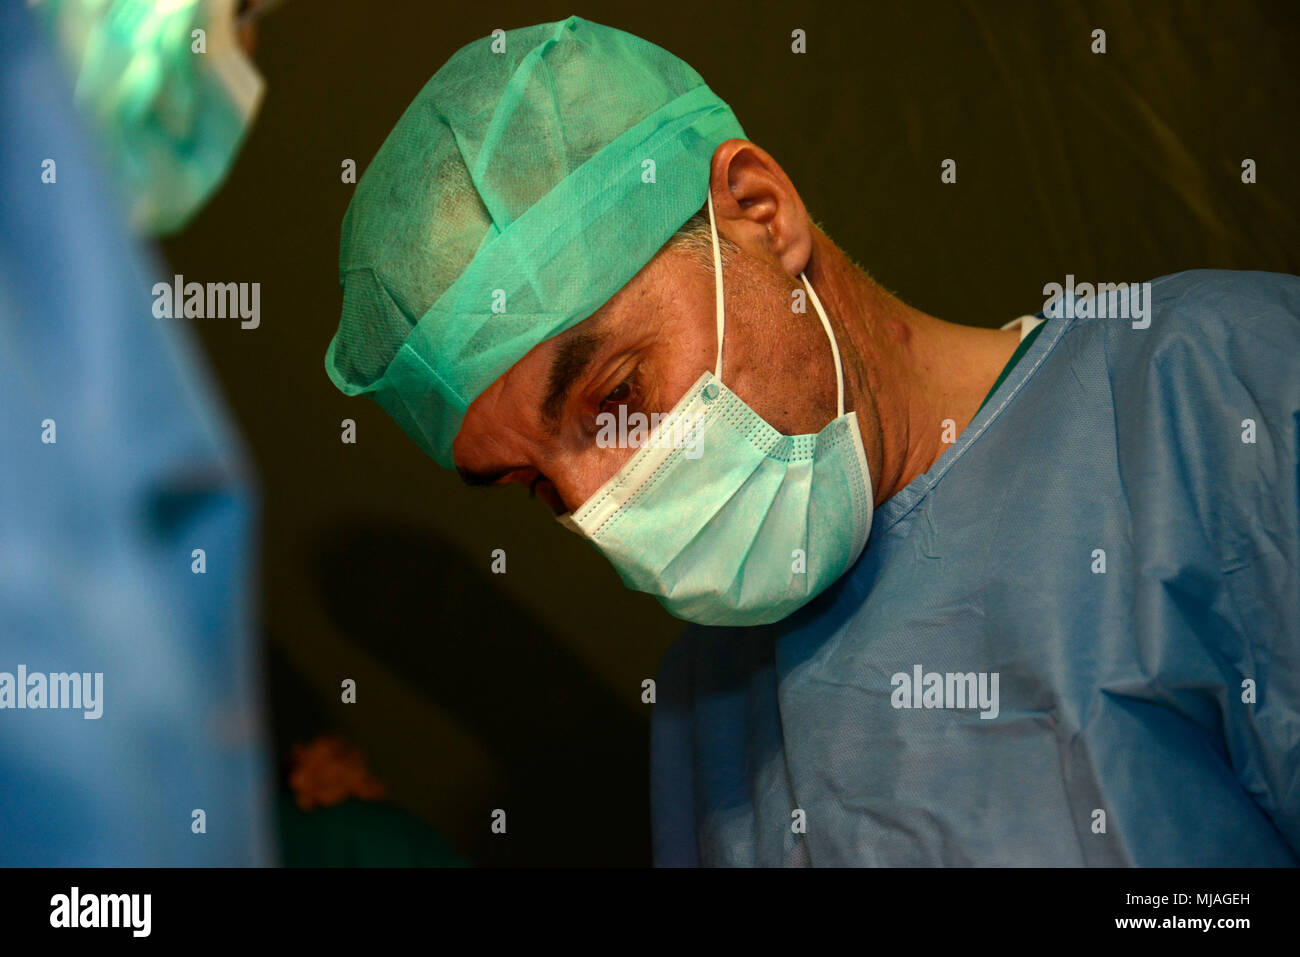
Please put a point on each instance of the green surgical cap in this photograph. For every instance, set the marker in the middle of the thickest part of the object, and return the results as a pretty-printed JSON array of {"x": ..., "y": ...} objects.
[{"x": 528, "y": 182}]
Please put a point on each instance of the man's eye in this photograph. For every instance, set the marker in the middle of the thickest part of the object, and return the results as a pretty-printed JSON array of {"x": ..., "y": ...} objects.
[{"x": 619, "y": 395}]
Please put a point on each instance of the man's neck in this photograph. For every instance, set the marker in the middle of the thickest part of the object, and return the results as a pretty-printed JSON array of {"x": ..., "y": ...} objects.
[{"x": 921, "y": 379}]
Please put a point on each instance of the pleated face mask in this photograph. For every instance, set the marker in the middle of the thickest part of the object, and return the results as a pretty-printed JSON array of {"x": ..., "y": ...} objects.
[{"x": 727, "y": 521}]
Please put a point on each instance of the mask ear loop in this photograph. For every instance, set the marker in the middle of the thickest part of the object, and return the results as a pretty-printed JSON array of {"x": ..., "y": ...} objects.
[
  {"x": 717, "y": 285},
  {"x": 835, "y": 349},
  {"x": 817, "y": 304}
]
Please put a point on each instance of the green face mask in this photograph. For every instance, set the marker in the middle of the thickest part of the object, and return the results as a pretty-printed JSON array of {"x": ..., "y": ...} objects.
[
  {"x": 736, "y": 524},
  {"x": 171, "y": 103}
]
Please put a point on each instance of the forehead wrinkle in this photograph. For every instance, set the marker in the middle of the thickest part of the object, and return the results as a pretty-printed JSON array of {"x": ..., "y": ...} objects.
[{"x": 572, "y": 357}]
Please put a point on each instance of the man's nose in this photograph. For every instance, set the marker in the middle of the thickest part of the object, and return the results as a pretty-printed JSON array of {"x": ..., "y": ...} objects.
[{"x": 576, "y": 480}]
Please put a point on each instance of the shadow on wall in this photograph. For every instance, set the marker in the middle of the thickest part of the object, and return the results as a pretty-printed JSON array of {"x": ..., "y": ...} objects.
[{"x": 557, "y": 733}]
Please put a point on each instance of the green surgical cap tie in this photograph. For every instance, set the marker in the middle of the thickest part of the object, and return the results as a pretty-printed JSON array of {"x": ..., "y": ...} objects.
[{"x": 534, "y": 175}]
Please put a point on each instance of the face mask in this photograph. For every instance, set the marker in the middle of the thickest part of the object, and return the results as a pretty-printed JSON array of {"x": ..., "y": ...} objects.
[{"x": 727, "y": 521}]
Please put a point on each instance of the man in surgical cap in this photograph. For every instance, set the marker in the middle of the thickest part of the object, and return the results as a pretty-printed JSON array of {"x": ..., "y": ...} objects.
[{"x": 1017, "y": 596}]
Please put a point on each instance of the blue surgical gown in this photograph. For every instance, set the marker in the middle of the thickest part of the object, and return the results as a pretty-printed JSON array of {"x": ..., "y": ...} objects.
[
  {"x": 1149, "y": 707},
  {"x": 98, "y": 528}
]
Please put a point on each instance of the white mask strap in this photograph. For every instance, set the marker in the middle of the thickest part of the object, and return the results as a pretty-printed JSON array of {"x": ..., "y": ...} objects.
[
  {"x": 817, "y": 304},
  {"x": 835, "y": 349},
  {"x": 717, "y": 284}
]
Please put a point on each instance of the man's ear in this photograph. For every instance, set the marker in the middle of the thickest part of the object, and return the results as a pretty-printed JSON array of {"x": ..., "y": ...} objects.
[{"x": 759, "y": 209}]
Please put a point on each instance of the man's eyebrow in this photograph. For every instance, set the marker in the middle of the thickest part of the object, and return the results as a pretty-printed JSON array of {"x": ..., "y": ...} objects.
[{"x": 571, "y": 360}]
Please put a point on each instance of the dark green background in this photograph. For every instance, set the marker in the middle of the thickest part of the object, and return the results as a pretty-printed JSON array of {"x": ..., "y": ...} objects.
[{"x": 522, "y": 691}]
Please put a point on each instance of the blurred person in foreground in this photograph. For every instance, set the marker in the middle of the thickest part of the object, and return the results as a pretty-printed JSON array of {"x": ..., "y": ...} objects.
[{"x": 131, "y": 727}]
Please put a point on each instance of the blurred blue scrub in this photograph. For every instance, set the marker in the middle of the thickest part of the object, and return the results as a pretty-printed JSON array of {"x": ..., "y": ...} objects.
[
  {"x": 1116, "y": 536},
  {"x": 97, "y": 529}
]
